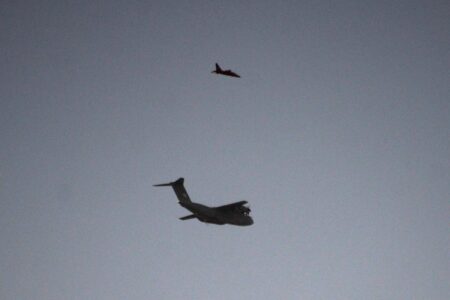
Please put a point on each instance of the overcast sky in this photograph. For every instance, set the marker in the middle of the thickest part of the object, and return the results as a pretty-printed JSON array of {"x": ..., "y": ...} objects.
[{"x": 338, "y": 135}]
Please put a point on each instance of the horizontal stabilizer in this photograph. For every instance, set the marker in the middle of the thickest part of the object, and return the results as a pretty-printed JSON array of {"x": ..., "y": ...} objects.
[
  {"x": 188, "y": 217},
  {"x": 179, "y": 181},
  {"x": 163, "y": 184}
]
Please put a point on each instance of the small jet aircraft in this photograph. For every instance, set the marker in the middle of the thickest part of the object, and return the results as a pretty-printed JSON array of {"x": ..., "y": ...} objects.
[
  {"x": 234, "y": 213},
  {"x": 219, "y": 70}
]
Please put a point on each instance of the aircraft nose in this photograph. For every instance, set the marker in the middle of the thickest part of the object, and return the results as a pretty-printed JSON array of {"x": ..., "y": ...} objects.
[{"x": 250, "y": 221}]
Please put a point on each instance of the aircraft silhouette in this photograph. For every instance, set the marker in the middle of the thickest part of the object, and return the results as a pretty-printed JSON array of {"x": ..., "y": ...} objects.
[
  {"x": 234, "y": 213},
  {"x": 219, "y": 70}
]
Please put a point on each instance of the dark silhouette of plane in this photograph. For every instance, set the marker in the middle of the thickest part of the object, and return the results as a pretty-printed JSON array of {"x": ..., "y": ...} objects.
[
  {"x": 234, "y": 213},
  {"x": 219, "y": 70}
]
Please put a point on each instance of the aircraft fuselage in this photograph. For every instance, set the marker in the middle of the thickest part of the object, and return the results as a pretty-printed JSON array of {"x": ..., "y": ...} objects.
[{"x": 212, "y": 215}]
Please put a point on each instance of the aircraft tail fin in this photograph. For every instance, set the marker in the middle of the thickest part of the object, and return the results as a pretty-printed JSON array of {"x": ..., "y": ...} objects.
[
  {"x": 218, "y": 68},
  {"x": 179, "y": 189}
]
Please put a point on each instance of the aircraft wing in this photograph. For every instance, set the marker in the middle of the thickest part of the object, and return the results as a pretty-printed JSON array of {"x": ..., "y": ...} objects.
[
  {"x": 231, "y": 73},
  {"x": 231, "y": 206}
]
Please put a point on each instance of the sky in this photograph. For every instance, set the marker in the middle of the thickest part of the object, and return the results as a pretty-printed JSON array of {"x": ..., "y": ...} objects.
[{"x": 337, "y": 135}]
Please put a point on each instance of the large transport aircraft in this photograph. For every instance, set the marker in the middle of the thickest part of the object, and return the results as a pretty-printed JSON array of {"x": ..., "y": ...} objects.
[{"x": 235, "y": 213}]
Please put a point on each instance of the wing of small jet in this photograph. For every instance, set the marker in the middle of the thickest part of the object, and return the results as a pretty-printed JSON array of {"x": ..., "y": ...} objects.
[
  {"x": 232, "y": 206},
  {"x": 230, "y": 73}
]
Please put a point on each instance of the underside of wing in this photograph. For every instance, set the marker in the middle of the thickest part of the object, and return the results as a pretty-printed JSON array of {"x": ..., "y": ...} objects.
[{"x": 232, "y": 206}]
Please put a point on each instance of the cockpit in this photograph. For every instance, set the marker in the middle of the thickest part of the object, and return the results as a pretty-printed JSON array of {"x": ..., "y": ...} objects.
[{"x": 244, "y": 210}]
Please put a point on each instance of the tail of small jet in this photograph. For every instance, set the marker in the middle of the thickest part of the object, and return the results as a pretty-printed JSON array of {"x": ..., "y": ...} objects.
[
  {"x": 179, "y": 190},
  {"x": 218, "y": 69}
]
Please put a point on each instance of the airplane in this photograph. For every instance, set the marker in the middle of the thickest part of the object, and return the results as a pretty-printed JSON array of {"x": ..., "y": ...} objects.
[
  {"x": 219, "y": 70},
  {"x": 234, "y": 213}
]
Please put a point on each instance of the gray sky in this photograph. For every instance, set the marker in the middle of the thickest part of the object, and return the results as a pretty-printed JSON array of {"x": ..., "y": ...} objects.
[{"x": 337, "y": 134}]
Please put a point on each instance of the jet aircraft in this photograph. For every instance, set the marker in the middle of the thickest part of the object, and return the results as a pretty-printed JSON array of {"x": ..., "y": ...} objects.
[
  {"x": 219, "y": 70},
  {"x": 234, "y": 213}
]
